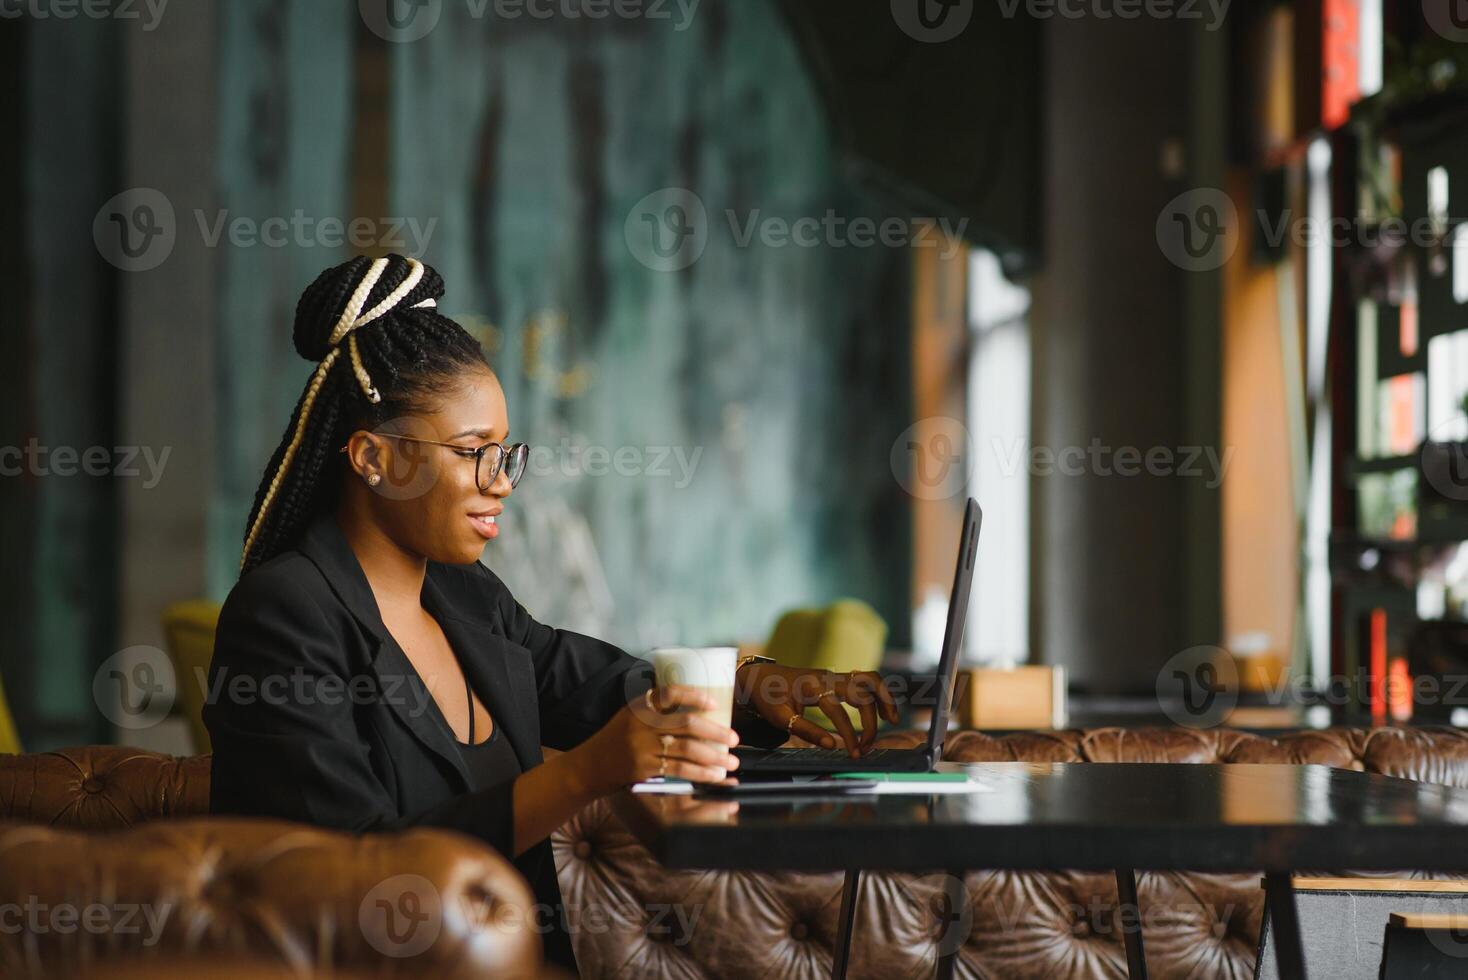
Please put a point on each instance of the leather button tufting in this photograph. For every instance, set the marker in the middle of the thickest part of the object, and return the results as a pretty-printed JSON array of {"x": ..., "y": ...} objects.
[{"x": 628, "y": 906}]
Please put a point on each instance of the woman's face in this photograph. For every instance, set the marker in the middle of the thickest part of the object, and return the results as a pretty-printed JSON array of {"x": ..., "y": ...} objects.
[{"x": 428, "y": 501}]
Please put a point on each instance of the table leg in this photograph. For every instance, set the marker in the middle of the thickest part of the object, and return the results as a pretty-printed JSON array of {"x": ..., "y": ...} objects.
[
  {"x": 1129, "y": 915},
  {"x": 949, "y": 944},
  {"x": 841, "y": 955},
  {"x": 1289, "y": 953}
]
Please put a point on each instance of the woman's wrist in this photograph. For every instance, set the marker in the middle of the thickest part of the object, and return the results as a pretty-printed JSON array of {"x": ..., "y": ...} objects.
[
  {"x": 742, "y": 688},
  {"x": 583, "y": 775},
  {"x": 546, "y": 796}
]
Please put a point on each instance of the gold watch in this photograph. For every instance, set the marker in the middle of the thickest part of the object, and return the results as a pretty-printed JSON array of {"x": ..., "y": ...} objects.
[{"x": 752, "y": 658}]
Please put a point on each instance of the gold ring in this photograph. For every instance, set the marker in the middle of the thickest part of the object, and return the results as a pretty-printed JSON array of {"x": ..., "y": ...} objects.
[
  {"x": 790, "y": 725},
  {"x": 831, "y": 692},
  {"x": 667, "y": 740},
  {"x": 647, "y": 698}
]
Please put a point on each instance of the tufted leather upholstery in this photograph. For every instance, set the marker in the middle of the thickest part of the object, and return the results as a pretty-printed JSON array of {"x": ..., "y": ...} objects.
[
  {"x": 190, "y": 967},
  {"x": 195, "y": 967},
  {"x": 98, "y": 787},
  {"x": 303, "y": 896},
  {"x": 640, "y": 920},
  {"x": 1052, "y": 925}
]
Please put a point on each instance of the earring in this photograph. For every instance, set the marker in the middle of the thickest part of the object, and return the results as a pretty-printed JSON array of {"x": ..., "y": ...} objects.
[{"x": 374, "y": 479}]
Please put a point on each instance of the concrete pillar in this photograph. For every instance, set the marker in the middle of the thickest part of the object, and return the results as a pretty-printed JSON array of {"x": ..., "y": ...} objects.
[{"x": 167, "y": 371}]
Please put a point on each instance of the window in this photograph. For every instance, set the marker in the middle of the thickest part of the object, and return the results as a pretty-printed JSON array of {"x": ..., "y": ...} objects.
[{"x": 999, "y": 420}]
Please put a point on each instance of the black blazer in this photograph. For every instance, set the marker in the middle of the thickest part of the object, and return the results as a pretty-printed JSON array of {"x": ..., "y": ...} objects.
[{"x": 317, "y": 715}]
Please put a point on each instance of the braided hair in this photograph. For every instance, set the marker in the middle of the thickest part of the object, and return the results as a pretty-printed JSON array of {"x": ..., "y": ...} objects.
[{"x": 382, "y": 351}]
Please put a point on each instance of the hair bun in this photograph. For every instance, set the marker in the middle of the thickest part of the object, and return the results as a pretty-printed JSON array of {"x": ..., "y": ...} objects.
[{"x": 321, "y": 306}]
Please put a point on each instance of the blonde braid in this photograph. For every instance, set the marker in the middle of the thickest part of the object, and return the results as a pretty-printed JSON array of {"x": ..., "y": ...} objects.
[
  {"x": 363, "y": 378},
  {"x": 352, "y": 318},
  {"x": 290, "y": 451}
]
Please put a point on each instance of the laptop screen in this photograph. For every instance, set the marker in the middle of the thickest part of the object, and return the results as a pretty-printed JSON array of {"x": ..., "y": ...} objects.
[{"x": 963, "y": 577}]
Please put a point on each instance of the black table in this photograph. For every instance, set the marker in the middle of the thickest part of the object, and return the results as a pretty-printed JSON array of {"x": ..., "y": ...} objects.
[{"x": 1088, "y": 817}]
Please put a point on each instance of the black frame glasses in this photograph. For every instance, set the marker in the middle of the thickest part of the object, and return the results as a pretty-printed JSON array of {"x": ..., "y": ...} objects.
[{"x": 511, "y": 458}]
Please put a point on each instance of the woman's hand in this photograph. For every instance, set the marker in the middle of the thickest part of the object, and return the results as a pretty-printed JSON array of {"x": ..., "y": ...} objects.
[
  {"x": 779, "y": 695},
  {"x": 659, "y": 735}
]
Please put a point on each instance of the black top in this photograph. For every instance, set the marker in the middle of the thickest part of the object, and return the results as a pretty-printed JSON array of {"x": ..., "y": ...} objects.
[
  {"x": 318, "y": 715},
  {"x": 1087, "y": 816},
  {"x": 491, "y": 761}
]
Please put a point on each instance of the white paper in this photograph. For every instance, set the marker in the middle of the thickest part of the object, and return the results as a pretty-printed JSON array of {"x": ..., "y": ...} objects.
[
  {"x": 675, "y": 787},
  {"x": 927, "y": 789}
]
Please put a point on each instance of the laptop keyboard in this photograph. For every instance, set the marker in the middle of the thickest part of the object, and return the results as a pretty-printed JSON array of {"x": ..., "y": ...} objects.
[{"x": 821, "y": 755}]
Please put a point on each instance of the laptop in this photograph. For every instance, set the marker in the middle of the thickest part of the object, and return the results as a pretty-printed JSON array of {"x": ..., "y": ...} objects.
[{"x": 921, "y": 759}]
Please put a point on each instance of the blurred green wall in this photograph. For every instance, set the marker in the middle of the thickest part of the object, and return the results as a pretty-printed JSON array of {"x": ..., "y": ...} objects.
[
  {"x": 519, "y": 148},
  {"x": 58, "y": 525},
  {"x": 780, "y": 373}
]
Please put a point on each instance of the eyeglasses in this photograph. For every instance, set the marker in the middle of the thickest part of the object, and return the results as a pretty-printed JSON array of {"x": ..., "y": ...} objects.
[{"x": 511, "y": 458}]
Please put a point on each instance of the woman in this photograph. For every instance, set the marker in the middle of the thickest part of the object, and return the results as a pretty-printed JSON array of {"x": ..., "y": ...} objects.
[{"x": 371, "y": 674}]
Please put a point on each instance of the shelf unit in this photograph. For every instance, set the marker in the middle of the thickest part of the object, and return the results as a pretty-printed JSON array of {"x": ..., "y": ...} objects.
[{"x": 1400, "y": 516}]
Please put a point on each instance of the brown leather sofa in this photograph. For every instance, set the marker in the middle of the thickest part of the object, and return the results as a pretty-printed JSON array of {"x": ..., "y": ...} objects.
[
  {"x": 150, "y": 894},
  {"x": 1022, "y": 926},
  {"x": 205, "y": 968},
  {"x": 640, "y": 920}
]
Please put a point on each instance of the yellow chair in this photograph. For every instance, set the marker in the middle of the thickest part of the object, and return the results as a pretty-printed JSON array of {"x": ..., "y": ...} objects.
[
  {"x": 846, "y": 635},
  {"x": 9, "y": 737},
  {"x": 188, "y": 629}
]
